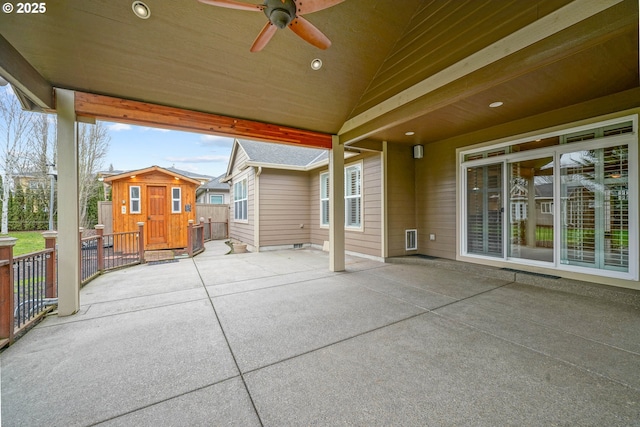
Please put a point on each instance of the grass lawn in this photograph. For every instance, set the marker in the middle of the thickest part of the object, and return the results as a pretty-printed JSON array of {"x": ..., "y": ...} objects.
[{"x": 28, "y": 241}]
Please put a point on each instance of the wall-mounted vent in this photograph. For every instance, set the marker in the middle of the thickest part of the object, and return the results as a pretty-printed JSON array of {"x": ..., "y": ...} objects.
[
  {"x": 411, "y": 240},
  {"x": 297, "y": 246}
]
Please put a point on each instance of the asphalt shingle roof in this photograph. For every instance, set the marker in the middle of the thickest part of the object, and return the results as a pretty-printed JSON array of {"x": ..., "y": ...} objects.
[{"x": 280, "y": 154}]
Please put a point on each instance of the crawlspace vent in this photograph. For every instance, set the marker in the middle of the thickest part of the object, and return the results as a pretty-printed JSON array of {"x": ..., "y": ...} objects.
[{"x": 411, "y": 240}]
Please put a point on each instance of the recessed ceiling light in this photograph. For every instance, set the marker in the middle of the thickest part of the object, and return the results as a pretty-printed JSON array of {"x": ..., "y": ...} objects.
[
  {"x": 410, "y": 133},
  {"x": 496, "y": 104},
  {"x": 141, "y": 10},
  {"x": 316, "y": 64}
]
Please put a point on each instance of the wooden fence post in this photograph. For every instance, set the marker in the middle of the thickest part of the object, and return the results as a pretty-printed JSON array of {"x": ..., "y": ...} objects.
[
  {"x": 190, "y": 238},
  {"x": 210, "y": 229},
  {"x": 141, "y": 241},
  {"x": 51, "y": 287},
  {"x": 100, "y": 242},
  {"x": 6, "y": 290}
]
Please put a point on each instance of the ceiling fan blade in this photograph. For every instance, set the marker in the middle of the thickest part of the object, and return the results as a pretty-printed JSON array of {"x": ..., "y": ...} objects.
[
  {"x": 263, "y": 38},
  {"x": 307, "y": 31},
  {"x": 310, "y": 6},
  {"x": 232, "y": 4}
]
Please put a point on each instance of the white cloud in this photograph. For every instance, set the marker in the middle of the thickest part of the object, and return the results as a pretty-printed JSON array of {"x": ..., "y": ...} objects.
[
  {"x": 199, "y": 159},
  {"x": 146, "y": 128},
  {"x": 117, "y": 127},
  {"x": 215, "y": 140}
]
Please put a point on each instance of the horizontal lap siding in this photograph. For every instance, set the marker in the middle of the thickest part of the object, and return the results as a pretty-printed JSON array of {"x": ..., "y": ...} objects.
[
  {"x": 401, "y": 207},
  {"x": 436, "y": 201},
  {"x": 242, "y": 231},
  {"x": 284, "y": 207},
  {"x": 368, "y": 241}
]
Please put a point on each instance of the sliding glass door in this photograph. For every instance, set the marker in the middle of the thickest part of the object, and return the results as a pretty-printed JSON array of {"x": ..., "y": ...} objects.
[
  {"x": 595, "y": 208},
  {"x": 484, "y": 210},
  {"x": 564, "y": 200}
]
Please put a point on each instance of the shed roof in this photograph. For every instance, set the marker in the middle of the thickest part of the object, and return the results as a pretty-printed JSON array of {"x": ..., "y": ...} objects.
[{"x": 128, "y": 174}]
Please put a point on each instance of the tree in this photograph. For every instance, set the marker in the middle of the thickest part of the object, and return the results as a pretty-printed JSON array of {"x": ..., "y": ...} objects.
[
  {"x": 15, "y": 125},
  {"x": 42, "y": 151},
  {"x": 93, "y": 144}
]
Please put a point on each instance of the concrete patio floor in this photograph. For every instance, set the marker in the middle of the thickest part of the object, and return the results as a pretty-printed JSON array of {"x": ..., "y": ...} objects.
[{"x": 277, "y": 339}]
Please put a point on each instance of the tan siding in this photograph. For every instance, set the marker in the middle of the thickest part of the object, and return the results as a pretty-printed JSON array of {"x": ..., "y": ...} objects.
[
  {"x": 401, "y": 207},
  {"x": 240, "y": 230},
  {"x": 284, "y": 207},
  {"x": 368, "y": 241}
]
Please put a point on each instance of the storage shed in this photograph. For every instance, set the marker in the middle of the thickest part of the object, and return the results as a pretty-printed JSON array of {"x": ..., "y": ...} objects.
[{"x": 162, "y": 199}]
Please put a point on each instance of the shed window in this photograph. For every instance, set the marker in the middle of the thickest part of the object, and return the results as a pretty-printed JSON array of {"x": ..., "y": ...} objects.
[
  {"x": 240, "y": 200},
  {"x": 134, "y": 199},
  {"x": 176, "y": 200}
]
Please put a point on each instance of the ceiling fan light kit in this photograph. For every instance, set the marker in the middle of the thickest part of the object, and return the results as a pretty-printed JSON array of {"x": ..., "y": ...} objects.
[{"x": 282, "y": 14}]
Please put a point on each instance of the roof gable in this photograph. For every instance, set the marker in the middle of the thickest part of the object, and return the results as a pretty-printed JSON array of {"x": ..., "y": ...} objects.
[{"x": 152, "y": 169}]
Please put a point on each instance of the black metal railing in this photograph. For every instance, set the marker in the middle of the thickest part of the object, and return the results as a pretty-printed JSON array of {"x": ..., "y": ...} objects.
[
  {"x": 109, "y": 251},
  {"x": 30, "y": 283}
]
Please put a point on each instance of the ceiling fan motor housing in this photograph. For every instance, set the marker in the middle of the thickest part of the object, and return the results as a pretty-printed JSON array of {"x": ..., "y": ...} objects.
[{"x": 280, "y": 12}]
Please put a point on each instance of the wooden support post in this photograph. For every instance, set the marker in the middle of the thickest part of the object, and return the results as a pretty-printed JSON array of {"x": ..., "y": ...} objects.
[
  {"x": 68, "y": 206},
  {"x": 336, "y": 205},
  {"x": 6, "y": 290},
  {"x": 190, "y": 238},
  {"x": 100, "y": 242},
  {"x": 51, "y": 288},
  {"x": 141, "y": 241}
]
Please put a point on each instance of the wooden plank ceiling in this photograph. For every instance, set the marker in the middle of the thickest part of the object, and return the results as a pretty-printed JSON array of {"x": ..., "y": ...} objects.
[{"x": 192, "y": 57}]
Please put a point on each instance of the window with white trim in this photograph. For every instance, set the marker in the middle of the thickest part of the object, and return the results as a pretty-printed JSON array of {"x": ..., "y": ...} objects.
[
  {"x": 216, "y": 199},
  {"x": 134, "y": 199},
  {"x": 240, "y": 200},
  {"x": 546, "y": 208},
  {"x": 176, "y": 200},
  {"x": 352, "y": 196},
  {"x": 324, "y": 199}
]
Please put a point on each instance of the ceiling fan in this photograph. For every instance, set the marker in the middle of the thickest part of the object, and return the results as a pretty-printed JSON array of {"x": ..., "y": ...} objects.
[{"x": 283, "y": 13}]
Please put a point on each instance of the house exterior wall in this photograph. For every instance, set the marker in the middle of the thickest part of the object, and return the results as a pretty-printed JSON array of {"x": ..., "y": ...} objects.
[
  {"x": 204, "y": 197},
  {"x": 284, "y": 208},
  {"x": 436, "y": 200},
  {"x": 401, "y": 197},
  {"x": 368, "y": 240},
  {"x": 437, "y": 185},
  {"x": 241, "y": 230}
]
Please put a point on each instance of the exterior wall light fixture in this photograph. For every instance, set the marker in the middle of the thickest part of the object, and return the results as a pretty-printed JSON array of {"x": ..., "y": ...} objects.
[{"x": 418, "y": 151}]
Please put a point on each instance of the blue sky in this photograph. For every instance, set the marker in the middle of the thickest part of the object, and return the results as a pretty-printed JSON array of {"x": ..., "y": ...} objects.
[{"x": 137, "y": 147}]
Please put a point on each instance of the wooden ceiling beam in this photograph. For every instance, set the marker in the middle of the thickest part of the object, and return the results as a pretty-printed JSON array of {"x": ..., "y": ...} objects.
[
  {"x": 22, "y": 76},
  {"x": 120, "y": 110}
]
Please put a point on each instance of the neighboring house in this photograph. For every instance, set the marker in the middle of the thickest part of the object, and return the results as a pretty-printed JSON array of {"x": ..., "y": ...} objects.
[
  {"x": 160, "y": 198},
  {"x": 214, "y": 192},
  {"x": 280, "y": 198}
]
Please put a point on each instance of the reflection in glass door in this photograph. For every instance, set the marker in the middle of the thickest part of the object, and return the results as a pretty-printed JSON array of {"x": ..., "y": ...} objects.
[
  {"x": 484, "y": 210},
  {"x": 531, "y": 209},
  {"x": 595, "y": 212}
]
